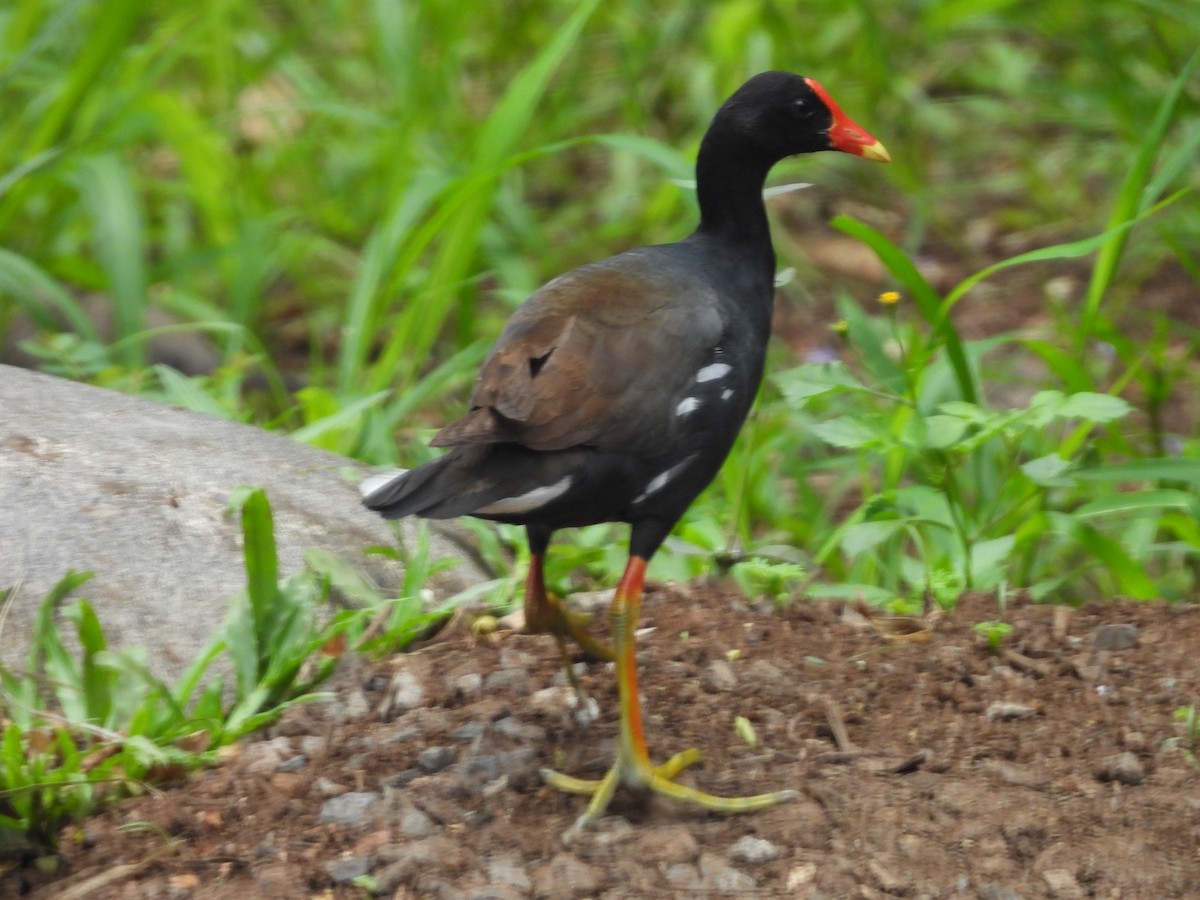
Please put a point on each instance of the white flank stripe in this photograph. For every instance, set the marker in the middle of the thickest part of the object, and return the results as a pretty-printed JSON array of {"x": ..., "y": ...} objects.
[
  {"x": 660, "y": 481},
  {"x": 727, "y": 393},
  {"x": 713, "y": 372},
  {"x": 527, "y": 501},
  {"x": 687, "y": 405},
  {"x": 373, "y": 483}
]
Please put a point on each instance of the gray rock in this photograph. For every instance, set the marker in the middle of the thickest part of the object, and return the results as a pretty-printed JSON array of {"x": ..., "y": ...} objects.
[
  {"x": 1115, "y": 637},
  {"x": 414, "y": 823},
  {"x": 434, "y": 759},
  {"x": 405, "y": 692},
  {"x": 720, "y": 676},
  {"x": 404, "y": 863},
  {"x": 343, "y": 871},
  {"x": 717, "y": 875},
  {"x": 683, "y": 877},
  {"x": 565, "y": 877},
  {"x": 293, "y": 763},
  {"x": 493, "y": 765},
  {"x": 512, "y": 727},
  {"x": 754, "y": 851},
  {"x": 514, "y": 680},
  {"x": 137, "y": 491},
  {"x": 1008, "y": 712},
  {"x": 509, "y": 870},
  {"x": 265, "y": 757},
  {"x": 1062, "y": 884},
  {"x": 1124, "y": 767},
  {"x": 352, "y": 810},
  {"x": 667, "y": 844}
]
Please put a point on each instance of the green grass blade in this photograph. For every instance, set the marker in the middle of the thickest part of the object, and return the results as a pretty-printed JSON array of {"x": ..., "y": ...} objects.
[
  {"x": 1132, "y": 199},
  {"x": 926, "y": 298},
  {"x": 107, "y": 185}
]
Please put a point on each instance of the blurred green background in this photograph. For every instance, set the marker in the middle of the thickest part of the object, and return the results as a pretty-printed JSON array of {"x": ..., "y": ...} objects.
[{"x": 321, "y": 214}]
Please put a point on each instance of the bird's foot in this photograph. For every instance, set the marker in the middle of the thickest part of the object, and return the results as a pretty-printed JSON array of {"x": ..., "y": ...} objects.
[
  {"x": 659, "y": 779},
  {"x": 548, "y": 615}
]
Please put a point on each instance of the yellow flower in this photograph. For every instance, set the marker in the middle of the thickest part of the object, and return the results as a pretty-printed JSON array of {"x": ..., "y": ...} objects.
[{"x": 889, "y": 298}]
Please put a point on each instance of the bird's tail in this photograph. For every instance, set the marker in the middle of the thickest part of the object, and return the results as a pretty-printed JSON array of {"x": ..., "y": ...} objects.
[{"x": 408, "y": 492}]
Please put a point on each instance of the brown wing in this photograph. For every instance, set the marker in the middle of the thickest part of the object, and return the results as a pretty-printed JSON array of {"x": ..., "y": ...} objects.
[{"x": 593, "y": 358}]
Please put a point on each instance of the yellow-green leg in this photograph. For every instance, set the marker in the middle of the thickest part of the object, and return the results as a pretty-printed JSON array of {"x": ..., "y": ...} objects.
[{"x": 632, "y": 766}]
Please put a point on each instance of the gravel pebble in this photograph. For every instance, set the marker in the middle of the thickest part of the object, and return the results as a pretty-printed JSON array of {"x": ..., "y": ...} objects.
[
  {"x": 404, "y": 693},
  {"x": 1008, "y": 712},
  {"x": 434, "y": 759},
  {"x": 566, "y": 877},
  {"x": 346, "y": 870},
  {"x": 1115, "y": 637},
  {"x": 293, "y": 764},
  {"x": 1125, "y": 768},
  {"x": 1062, "y": 884},
  {"x": 754, "y": 851},
  {"x": 718, "y": 875},
  {"x": 667, "y": 844},
  {"x": 512, "y": 727},
  {"x": 719, "y": 677},
  {"x": 509, "y": 870},
  {"x": 493, "y": 765},
  {"x": 352, "y": 810}
]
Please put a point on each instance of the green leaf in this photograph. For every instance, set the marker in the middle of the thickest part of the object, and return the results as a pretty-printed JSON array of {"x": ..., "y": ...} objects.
[
  {"x": 1094, "y": 407},
  {"x": 1046, "y": 470},
  {"x": 942, "y": 432},
  {"x": 1139, "y": 502},
  {"x": 801, "y": 384},
  {"x": 1170, "y": 468},
  {"x": 864, "y": 536},
  {"x": 846, "y": 432}
]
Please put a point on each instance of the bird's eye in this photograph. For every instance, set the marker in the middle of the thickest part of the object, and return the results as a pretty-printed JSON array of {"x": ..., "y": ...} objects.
[{"x": 800, "y": 104}]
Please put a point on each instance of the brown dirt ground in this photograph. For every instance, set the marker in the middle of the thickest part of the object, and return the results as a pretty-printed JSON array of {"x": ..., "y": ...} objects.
[{"x": 926, "y": 766}]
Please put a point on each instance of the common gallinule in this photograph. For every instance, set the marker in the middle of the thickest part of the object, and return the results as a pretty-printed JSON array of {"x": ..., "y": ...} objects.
[{"x": 615, "y": 392}]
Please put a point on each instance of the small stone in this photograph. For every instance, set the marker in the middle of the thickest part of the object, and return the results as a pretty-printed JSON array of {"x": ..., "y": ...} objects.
[
  {"x": 1124, "y": 768},
  {"x": 498, "y": 892},
  {"x": 293, "y": 764},
  {"x": 469, "y": 685},
  {"x": 312, "y": 744},
  {"x": 566, "y": 876},
  {"x": 492, "y": 765},
  {"x": 509, "y": 870},
  {"x": 343, "y": 871},
  {"x": 668, "y": 844},
  {"x": 406, "y": 862},
  {"x": 352, "y": 810},
  {"x": 434, "y": 759},
  {"x": 800, "y": 875},
  {"x": 404, "y": 693},
  {"x": 1062, "y": 884},
  {"x": 512, "y": 727},
  {"x": 1115, "y": 637},
  {"x": 514, "y": 681},
  {"x": 468, "y": 731},
  {"x": 1008, "y": 712},
  {"x": 261, "y": 758},
  {"x": 754, "y": 851},
  {"x": 354, "y": 705},
  {"x": 993, "y": 891},
  {"x": 765, "y": 673},
  {"x": 718, "y": 875},
  {"x": 1133, "y": 740},
  {"x": 414, "y": 823},
  {"x": 683, "y": 877},
  {"x": 719, "y": 677},
  {"x": 887, "y": 878},
  {"x": 324, "y": 787}
]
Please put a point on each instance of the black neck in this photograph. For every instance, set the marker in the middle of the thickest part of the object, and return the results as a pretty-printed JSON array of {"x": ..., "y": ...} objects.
[{"x": 729, "y": 189}]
